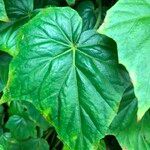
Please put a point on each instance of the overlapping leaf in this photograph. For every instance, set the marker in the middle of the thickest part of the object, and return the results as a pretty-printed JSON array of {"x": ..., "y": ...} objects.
[
  {"x": 18, "y": 8},
  {"x": 28, "y": 111},
  {"x": 71, "y": 76},
  {"x": 130, "y": 133},
  {"x": 20, "y": 127},
  {"x": 128, "y": 24},
  {"x": 19, "y": 11},
  {"x": 86, "y": 10}
]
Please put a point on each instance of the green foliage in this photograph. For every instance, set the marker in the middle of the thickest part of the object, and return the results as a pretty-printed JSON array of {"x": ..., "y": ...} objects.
[
  {"x": 24, "y": 130},
  {"x": 17, "y": 125},
  {"x": 9, "y": 143},
  {"x": 19, "y": 12},
  {"x": 61, "y": 80},
  {"x": 63, "y": 74},
  {"x": 130, "y": 133},
  {"x": 129, "y": 27},
  {"x": 18, "y": 8}
]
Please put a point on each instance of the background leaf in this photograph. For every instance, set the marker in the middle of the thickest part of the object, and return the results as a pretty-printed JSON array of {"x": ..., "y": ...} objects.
[
  {"x": 131, "y": 32},
  {"x": 9, "y": 143},
  {"x": 18, "y": 8},
  {"x": 37, "y": 144},
  {"x": 27, "y": 110},
  {"x": 130, "y": 133},
  {"x": 86, "y": 10},
  {"x": 20, "y": 12},
  {"x": 21, "y": 128}
]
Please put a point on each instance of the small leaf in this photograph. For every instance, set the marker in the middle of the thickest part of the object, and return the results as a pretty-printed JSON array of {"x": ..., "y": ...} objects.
[
  {"x": 20, "y": 127},
  {"x": 27, "y": 110},
  {"x": 9, "y": 143}
]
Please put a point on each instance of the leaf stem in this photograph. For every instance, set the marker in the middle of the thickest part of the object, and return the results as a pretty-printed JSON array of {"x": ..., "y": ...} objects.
[{"x": 48, "y": 134}]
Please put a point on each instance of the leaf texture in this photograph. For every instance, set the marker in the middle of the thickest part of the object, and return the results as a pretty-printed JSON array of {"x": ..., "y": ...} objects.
[{"x": 71, "y": 76}]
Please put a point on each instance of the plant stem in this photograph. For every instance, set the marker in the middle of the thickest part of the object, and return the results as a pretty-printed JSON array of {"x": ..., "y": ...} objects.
[{"x": 48, "y": 134}]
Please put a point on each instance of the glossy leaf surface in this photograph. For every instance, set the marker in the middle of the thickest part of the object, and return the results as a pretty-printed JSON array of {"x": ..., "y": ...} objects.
[
  {"x": 18, "y": 8},
  {"x": 71, "y": 76}
]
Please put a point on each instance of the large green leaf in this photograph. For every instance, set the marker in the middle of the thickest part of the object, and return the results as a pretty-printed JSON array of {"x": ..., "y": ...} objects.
[
  {"x": 4, "y": 68},
  {"x": 3, "y": 14},
  {"x": 132, "y": 135},
  {"x": 128, "y": 24},
  {"x": 86, "y": 10},
  {"x": 71, "y": 76}
]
